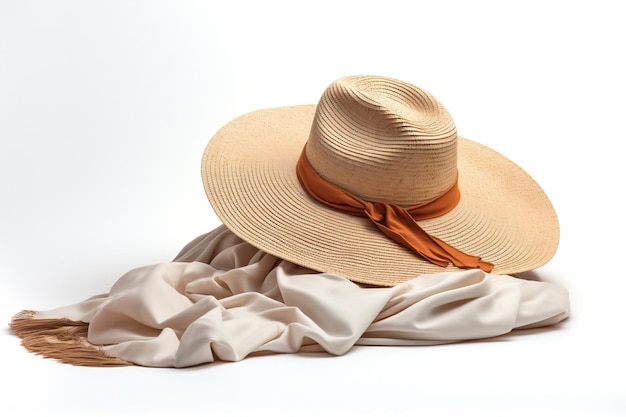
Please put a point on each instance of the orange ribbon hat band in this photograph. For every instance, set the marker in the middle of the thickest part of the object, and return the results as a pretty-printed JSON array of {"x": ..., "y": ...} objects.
[{"x": 398, "y": 223}]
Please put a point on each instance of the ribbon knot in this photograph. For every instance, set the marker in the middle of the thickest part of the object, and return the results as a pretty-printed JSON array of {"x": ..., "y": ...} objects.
[
  {"x": 396, "y": 222},
  {"x": 375, "y": 211}
]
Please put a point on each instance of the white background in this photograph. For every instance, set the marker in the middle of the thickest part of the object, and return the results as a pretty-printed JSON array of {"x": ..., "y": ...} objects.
[{"x": 105, "y": 109}]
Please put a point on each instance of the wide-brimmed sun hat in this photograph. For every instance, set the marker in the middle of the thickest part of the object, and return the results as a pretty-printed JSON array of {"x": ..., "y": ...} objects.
[{"x": 374, "y": 184}]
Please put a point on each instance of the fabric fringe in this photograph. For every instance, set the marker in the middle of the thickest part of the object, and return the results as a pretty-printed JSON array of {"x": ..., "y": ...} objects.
[{"x": 61, "y": 339}]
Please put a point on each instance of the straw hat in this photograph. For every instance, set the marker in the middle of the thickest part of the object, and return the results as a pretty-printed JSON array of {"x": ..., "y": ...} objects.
[{"x": 379, "y": 140}]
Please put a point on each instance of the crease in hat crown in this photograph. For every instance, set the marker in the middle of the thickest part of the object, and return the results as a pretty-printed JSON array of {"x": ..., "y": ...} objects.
[{"x": 383, "y": 140}]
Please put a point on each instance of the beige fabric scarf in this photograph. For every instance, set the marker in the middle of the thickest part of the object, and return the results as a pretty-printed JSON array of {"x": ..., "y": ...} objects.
[{"x": 221, "y": 298}]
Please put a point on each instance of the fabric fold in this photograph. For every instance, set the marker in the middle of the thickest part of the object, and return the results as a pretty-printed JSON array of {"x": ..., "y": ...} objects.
[{"x": 223, "y": 299}]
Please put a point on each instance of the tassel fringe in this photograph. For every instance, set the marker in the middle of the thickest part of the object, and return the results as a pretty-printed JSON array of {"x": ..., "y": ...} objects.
[{"x": 61, "y": 339}]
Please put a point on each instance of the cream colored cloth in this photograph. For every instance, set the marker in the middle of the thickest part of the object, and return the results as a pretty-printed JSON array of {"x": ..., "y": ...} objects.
[{"x": 224, "y": 299}]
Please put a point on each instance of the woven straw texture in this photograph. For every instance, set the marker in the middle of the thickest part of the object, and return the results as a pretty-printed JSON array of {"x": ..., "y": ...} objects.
[{"x": 383, "y": 140}]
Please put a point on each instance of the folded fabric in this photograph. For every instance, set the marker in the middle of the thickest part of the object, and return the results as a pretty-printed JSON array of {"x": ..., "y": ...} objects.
[{"x": 221, "y": 298}]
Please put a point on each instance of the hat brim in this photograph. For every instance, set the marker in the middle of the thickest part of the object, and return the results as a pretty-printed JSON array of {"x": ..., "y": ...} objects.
[{"x": 249, "y": 175}]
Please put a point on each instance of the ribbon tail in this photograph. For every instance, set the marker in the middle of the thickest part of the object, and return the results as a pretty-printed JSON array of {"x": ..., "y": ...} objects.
[
  {"x": 461, "y": 259},
  {"x": 398, "y": 224}
]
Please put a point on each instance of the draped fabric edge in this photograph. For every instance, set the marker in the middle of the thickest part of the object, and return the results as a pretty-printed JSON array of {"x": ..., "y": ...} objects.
[{"x": 62, "y": 339}]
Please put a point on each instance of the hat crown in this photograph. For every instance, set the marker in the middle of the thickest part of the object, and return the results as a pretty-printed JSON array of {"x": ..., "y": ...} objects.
[{"x": 383, "y": 140}]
